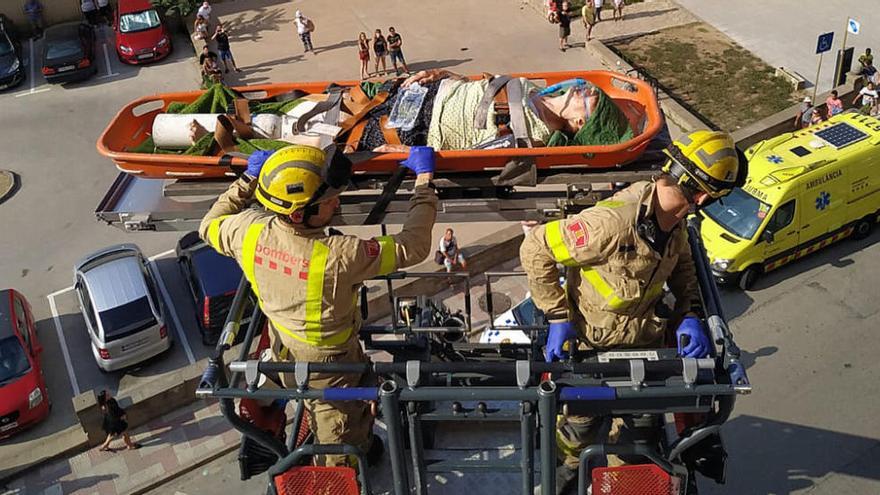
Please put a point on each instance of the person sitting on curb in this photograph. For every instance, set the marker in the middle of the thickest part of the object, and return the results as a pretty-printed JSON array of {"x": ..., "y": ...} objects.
[{"x": 450, "y": 252}]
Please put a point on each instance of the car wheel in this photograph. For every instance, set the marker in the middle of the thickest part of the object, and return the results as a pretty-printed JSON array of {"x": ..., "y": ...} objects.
[
  {"x": 863, "y": 227},
  {"x": 748, "y": 277}
]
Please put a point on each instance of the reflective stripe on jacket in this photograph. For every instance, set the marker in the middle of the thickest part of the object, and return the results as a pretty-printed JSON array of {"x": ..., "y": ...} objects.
[
  {"x": 615, "y": 278},
  {"x": 306, "y": 281}
]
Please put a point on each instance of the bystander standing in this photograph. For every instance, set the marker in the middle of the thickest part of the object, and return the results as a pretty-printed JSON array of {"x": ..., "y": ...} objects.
[
  {"x": 380, "y": 49},
  {"x": 588, "y": 17},
  {"x": 394, "y": 44},
  {"x": 205, "y": 11},
  {"x": 805, "y": 114},
  {"x": 223, "y": 48},
  {"x": 364, "y": 54},
  {"x": 868, "y": 96},
  {"x": 564, "y": 25},
  {"x": 90, "y": 11},
  {"x": 618, "y": 9},
  {"x": 33, "y": 9},
  {"x": 105, "y": 12},
  {"x": 833, "y": 104},
  {"x": 598, "y": 5},
  {"x": 115, "y": 422},
  {"x": 304, "y": 28}
]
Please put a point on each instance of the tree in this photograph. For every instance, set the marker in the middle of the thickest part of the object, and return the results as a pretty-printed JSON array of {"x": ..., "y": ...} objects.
[{"x": 177, "y": 8}]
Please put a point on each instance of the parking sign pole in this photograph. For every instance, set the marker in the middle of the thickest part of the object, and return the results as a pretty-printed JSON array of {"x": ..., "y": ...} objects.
[
  {"x": 838, "y": 69},
  {"x": 816, "y": 85}
]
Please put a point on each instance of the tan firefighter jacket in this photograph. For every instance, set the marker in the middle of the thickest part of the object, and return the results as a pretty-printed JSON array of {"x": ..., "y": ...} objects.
[
  {"x": 307, "y": 281},
  {"x": 615, "y": 278}
]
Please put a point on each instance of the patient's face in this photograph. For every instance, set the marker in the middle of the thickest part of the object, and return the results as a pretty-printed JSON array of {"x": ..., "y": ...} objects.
[{"x": 577, "y": 105}]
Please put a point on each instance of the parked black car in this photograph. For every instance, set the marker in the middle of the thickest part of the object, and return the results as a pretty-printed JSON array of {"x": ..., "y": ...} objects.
[
  {"x": 11, "y": 63},
  {"x": 212, "y": 279},
  {"x": 69, "y": 53}
]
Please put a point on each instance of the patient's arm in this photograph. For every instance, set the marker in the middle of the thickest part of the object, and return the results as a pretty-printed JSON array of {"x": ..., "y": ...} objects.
[{"x": 429, "y": 76}]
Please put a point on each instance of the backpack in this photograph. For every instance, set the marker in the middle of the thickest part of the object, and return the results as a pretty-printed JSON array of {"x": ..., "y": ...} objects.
[{"x": 310, "y": 26}]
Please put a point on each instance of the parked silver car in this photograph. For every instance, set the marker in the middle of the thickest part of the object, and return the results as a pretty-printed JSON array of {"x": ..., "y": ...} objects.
[{"x": 118, "y": 298}]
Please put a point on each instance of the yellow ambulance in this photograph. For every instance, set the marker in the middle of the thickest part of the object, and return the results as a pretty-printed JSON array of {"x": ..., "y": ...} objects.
[{"x": 804, "y": 191}]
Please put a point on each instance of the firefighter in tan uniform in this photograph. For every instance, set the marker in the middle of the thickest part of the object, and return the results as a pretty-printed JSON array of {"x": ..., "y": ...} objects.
[
  {"x": 307, "y": 281},
  {"x": 619, "y": 255}
]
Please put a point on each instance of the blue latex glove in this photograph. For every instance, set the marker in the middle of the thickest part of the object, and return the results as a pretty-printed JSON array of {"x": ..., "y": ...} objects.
[
  {"x": 697, "y": 344},
  {"x": 421, "y": 159},
  {"x": 560, "y": 333},
  {"x": 256, "y": 161}
]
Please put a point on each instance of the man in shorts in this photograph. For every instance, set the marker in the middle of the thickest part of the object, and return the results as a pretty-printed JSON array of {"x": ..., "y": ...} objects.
[
  {"x": 223, "y": 49},
  {"x": 394, "y": 42},
  {"x": 564, "y": 16}
]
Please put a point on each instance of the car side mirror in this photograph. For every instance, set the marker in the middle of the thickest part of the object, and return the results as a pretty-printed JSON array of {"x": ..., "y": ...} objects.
[{"x": 767, "y": 236}]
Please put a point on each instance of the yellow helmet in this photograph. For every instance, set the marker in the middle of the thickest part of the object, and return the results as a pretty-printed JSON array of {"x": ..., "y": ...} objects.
[
  {"x": 296, "y": 177},
  {"x": 706, "y": 161}
]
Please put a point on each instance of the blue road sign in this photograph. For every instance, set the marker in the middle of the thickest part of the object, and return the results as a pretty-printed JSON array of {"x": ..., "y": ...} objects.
[{"x": 824, "y": 43}]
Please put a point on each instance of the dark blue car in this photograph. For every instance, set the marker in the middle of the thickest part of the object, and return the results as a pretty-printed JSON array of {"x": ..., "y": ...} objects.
[
  {"x": 11, "y": 64},
  {"x": 212, "y": 279}
]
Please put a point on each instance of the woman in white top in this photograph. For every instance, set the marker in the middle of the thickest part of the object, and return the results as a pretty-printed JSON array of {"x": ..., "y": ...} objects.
[
  {"x": 304, "y": 28},
  {"x": 869, "y": 99},
  {"x": 90, "y": 11},
  {"x": 598, "y": 5},
  {"x": 205, "y": 11}
]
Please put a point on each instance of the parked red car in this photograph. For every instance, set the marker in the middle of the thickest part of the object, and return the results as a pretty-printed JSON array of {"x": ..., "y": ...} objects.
[
  {"x": 140, "y": 35},
  {"x": 23, "y": 396}
]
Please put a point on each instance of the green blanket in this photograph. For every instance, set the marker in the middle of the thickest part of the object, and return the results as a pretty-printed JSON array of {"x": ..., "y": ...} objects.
[{"x": 218, "y": 99}]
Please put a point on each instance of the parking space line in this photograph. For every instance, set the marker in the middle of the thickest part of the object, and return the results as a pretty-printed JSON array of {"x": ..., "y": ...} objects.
[
  {"x": 56, "y": 318},
  {"x": 110, "y": 72},
  {"x": 160, "y": 255},
  {"x": 173, "y": 311},
  {"x": 32, "y": 63},
  {"x": 59, "y": 292}
]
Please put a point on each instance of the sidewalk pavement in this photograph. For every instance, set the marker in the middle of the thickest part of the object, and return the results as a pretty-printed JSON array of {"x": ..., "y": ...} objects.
[{"x": 171, "y": 445}]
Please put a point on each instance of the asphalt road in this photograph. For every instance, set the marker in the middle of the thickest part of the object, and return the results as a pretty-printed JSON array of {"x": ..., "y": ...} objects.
[
  {"x": 47, "y": 136},
  {"x": 808, "y": 332}
]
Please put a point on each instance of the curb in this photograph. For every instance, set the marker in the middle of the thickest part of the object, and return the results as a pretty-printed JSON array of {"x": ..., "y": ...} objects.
[
  {"x": 169, "y": 477},
  {"x": 14, "y": 185}
]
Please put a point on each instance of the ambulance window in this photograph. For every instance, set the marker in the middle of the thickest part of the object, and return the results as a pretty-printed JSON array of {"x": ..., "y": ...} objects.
[{"x": 782, "y": 218}]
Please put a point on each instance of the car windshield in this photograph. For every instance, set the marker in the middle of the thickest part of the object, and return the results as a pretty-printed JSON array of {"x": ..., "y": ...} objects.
[
  {"x": 129, "y": 318},
  {"x": 5, "y": 45},
  {"x": 526, "y": 314},
  {"x": 63, "y": 49},
  {"x": 13, "y": 360},
  {"x": 739, "y": 212},
  {"x": 138, "y": 21}
]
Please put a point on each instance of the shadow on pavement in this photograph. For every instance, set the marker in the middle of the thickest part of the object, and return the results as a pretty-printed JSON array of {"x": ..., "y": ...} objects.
[
  {"x": 834, "y": 255},
  {"x": 70, "y": 486},
  {"x": 438, "y": 64},
  {"x": 335, "y": 46},
  {"x": 248, "y": 26},
  {"x": 768, "y": 456},
  {"x": 639, "y": 15}
]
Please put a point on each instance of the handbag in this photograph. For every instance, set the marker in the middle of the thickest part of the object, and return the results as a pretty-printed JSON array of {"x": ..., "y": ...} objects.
[
  {"x": 439, "y": 257},
  {"x": 310, "y": 26}
]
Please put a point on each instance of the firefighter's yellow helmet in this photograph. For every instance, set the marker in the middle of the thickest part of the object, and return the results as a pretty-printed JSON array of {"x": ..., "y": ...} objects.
[
  {"x": 705, "y": 161},
  {"x": 298, "y": 176}
]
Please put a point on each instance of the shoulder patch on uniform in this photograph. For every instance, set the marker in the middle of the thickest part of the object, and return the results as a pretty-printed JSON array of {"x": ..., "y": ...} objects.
[
  {"x": 579, "y": 231},
  {"x": 372, "y": 248}
]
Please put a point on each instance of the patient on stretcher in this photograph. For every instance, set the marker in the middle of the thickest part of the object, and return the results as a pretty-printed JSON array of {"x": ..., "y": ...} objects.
[{"x": 458, "y": 114}]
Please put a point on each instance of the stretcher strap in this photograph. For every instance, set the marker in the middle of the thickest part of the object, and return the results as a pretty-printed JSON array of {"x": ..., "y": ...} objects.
[
  {"x": 492, "y": 89},
  {"x": 390, "y": 135},
  {"x": 517, "y": 112}
]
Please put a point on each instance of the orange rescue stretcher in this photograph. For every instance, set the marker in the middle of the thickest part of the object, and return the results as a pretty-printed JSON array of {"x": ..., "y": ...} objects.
[{"x": 636, "y": 98}]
